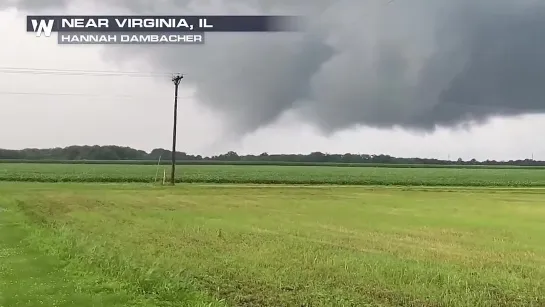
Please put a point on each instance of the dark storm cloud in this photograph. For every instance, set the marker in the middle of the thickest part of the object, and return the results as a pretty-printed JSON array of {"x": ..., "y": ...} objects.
[{"x": 411, "y": 63}]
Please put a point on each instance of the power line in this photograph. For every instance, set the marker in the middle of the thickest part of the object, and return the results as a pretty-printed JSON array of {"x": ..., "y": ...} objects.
[
  {"x": 83, "y": 71},
  {"x": 65, "y": 94},
  {"x": 80, "y": 72},
  {"x": 82, "y": 95},
  {"x": 73, "y": 72}
]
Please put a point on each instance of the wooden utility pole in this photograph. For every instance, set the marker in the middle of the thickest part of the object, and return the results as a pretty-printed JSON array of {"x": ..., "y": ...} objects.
[{"x": 176, "y": 80}]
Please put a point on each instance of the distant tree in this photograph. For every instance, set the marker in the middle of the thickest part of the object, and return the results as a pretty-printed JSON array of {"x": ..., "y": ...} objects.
[{"x": 112, "y": 152}]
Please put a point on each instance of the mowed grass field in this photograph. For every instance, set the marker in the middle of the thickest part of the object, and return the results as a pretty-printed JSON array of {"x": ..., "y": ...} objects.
[
  {"x": 269, "y": 174},
  {"x": 229, "y": 245}
]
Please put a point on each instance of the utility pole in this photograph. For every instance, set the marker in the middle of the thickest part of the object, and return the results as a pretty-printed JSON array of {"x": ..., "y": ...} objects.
[{"x": 176, "y": 80}]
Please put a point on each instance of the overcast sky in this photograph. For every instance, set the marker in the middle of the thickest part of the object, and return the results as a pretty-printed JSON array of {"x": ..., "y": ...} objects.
[{"x": 137, "y": 112}]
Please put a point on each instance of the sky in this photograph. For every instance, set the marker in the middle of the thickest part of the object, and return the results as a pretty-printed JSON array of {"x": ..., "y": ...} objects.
[{"x": 412, "y": 80}]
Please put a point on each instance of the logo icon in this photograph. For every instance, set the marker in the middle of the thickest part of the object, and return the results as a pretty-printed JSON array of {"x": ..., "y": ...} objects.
[{"x": 42, "y": 26}]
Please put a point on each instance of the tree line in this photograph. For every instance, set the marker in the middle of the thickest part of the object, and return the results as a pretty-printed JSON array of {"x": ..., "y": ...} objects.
[{"x": 115, "y": 153}]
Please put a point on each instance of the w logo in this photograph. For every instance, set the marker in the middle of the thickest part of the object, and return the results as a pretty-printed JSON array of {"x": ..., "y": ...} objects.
[{"x": 45, "y": 26}]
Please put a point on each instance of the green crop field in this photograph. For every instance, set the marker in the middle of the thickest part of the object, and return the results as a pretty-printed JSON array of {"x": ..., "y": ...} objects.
[
  {"x": 273, "y": 163},
  {"x": 71, "y": 244},
  {"x": 267, "y": 174}
]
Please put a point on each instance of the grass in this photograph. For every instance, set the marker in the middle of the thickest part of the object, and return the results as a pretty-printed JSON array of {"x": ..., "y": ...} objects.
[
  {"x": 31, "y": 278},
  {"x": 512, "y": 177},
  {"x": 294, "y": 246}
]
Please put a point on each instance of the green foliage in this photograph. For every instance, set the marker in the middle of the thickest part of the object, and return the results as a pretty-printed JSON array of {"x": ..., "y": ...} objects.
[{"x": 267, "y": 174}]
